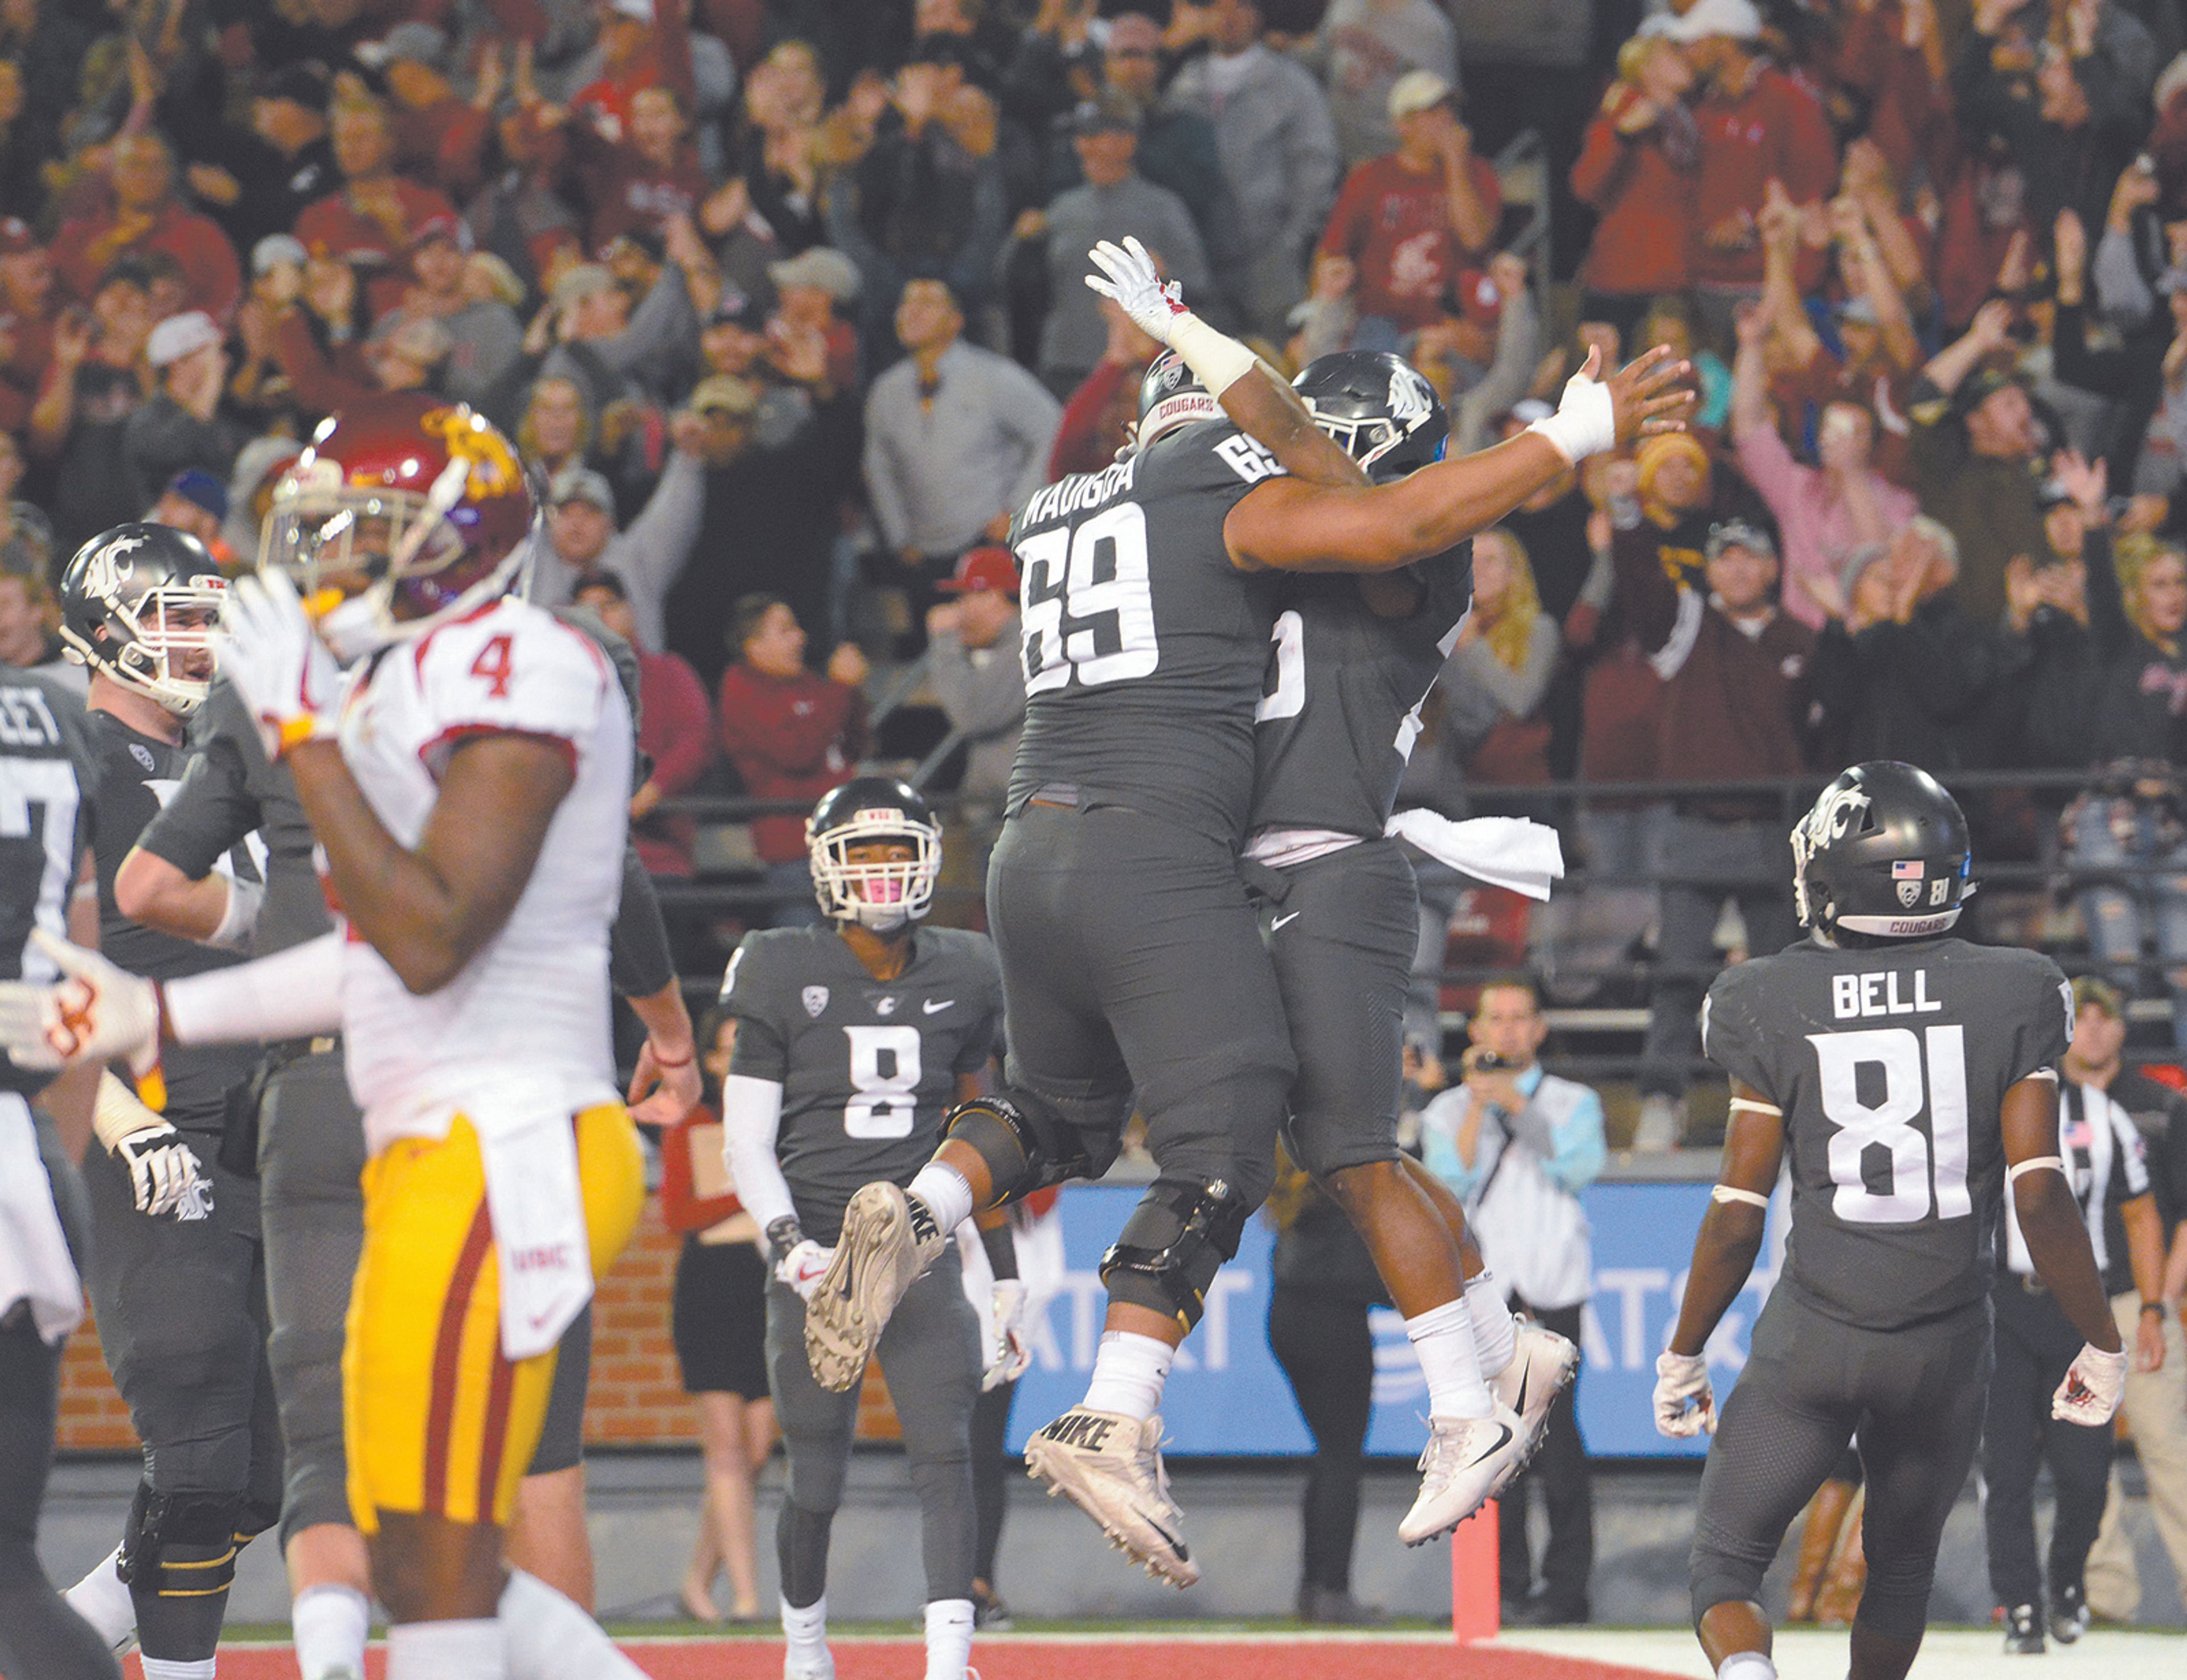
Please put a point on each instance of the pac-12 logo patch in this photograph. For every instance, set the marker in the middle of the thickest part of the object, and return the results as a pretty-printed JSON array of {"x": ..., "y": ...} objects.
[
  {"x": 816, "y": 999},
  {"x": 1908, "y": 891}
]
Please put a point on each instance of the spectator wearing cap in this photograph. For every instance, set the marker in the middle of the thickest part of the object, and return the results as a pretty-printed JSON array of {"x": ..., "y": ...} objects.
[
  {"x": 1824, "y": 512},
  {"x": 956, "y": 438},
  {"x": 1366, "y": 47},
  {"x": 1755, "y": 125},
  {"x": 1408, "y": 223},
  {"x": 1637, "y": 169},
  {"x": 196, "y": 502},
  {"x": 610, "y": 351},
  {"x": 581, "y": 537},
  {"x": 258, "y": 386},
  {"x": 641, "y": 43},
  {"x": 809, "y": 288},
  {"x": 27, "y": 320},
  {"x": 180, "y": 427},
  {"x": 972, "y": 662},
  {"x": 1736, "y": 680},
  {"x": 1279, "y": 162},
  {"x": 792, "y": 734},
  {"x": 1114, "y": 201},
  {"x": 675, "y": 731},
  {"x": 484, "y": 338},
  {"x": 367, "y": 224},
  {"x": 290, "y": 161},
  {"x": 1177, "y": 147},
  {"x": 1974, "y": 450},
  {"x": 145, "y": 217}
]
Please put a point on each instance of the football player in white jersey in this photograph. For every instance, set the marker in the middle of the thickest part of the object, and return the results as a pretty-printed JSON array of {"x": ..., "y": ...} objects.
[{"x": 466, "y": 777}]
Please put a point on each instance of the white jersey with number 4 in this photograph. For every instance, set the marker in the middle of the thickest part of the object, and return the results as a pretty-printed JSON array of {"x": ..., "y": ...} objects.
[{"x": 532, "y": 1004}]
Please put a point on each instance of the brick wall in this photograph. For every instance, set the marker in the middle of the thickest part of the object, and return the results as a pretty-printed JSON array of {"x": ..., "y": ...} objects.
[{"x": 637, "y": 1399}]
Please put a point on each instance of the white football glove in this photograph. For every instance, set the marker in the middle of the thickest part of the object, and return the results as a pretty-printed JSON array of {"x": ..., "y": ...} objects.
[
  {"x": 1009, "y": 1354},
  {"x": 803, "y": 1267},
  {"x": 2090, "y": 1392},
  {"x": 93, "y": 1012},
  {"x": 267, "y": 648},
  {"x": 164, "y": 1173},
  {"x": 1684, "y": 1403},
  {"x": 1138, "y": 289}
]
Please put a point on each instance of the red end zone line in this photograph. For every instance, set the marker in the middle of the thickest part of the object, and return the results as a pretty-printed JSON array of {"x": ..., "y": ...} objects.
[{"x": 1056, "y": 1657}]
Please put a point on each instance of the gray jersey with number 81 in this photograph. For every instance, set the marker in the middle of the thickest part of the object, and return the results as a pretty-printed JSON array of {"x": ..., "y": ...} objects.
[
  {"x": 867, "y": 1066},
  {"x": 1891, "y": 1066},
  {"x": 1144, "y": 647}
]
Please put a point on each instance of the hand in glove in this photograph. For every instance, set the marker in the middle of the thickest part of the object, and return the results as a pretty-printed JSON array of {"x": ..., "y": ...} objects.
[
  {"x": 1009, "y": 1354},
  {"x": 267, "y": 648},
  {"x": 1138, "y": 289},
  {"x": 2090, "y": 1392},
  {"x": 1684, "y": 1403},
  {"x": 93, "y": 1012},
  {"x": 164, "y": 1174},
  {"x": 803, "y": 1267}
]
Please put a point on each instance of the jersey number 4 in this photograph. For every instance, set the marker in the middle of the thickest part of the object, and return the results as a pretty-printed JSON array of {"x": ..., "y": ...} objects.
[
  {"x": 493, "y": 667},
  {"x": 1095, "y": 577},
  {"x": 885, "y": 1074},
  {"x": 1906, "y": 1077}
]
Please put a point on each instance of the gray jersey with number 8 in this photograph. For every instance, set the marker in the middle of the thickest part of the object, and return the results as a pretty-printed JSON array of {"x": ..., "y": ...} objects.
[
  {"x": 1144, "y": 647},
  {"x": 1891, "y": 1066}
]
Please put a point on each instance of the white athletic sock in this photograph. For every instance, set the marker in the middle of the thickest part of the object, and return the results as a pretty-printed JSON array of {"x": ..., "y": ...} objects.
[
  {"x": 446, "y": 1650},
  {"x": 102, "y": 1599},
  {"x": 547, "y": 1636},
  {"x": 330, "y": 1622},
  {"x": 1746, "y": 1665},
  {"x": 806, "y": 1632},
  {"x": 947, "y": 1194},
  {"x": 1495, "y": 1332},
  {"x": 948, "y": 1638},
  {"x": 1129, "y": 1374},
  {"x": 1442, "y": 1337},
  {"x": 160, "y": 1668}
]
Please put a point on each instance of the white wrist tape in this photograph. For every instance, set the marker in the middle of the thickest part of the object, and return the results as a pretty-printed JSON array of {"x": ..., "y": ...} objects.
[
  {"x": 1585, "y": 423},
  {"x": 1217, "y": 360},
  {"x": 1732, "y": 1192},
  {"x": 2033, "y": 1164},
  {"x": 1753, "y": 1107},
  {"x": 245, "y": 899},
  {"x": 116, "y": 1113},
  {"x": 295, "y": 993}
]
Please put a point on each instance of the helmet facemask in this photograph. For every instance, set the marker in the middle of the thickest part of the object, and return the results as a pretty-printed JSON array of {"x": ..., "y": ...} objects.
[
  {"x": 165, "y": 637},
  {"x": 882, "y": 894}
]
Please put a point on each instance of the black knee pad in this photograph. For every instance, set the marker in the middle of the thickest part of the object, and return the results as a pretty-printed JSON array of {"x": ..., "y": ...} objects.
[
  {"x": 180, "y": 1545},
  {"x": 1718, "y": 1579},
  {"x": 1895, "y": 1601},
  {"x": 1172, "y": 1245},
  {"x": 1028, "y": 1143}
]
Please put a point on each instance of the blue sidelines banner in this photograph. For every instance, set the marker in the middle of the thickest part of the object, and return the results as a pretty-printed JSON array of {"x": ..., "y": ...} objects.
[{"x": 1227, "y": 1393}]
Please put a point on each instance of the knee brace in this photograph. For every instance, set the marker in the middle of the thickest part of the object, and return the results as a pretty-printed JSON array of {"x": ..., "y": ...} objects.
[
  {"x": 1027, "y": 1143},
  {"x": 1172, "y": 1245},
  {"x": 180, "y": 1545}
]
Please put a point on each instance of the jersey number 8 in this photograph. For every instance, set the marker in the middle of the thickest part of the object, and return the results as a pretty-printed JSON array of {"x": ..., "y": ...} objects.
[
  {"x": 885, "y": 1074},
  {"x": 1888, "y": 1123},
  {"x": 1064, "y": 583}
]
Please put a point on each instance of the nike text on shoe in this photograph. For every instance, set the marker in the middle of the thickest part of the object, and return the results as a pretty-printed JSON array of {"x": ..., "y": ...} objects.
[
  {"x": 1465, "y": 1458},
  {"x": 888, "y": 1240},
  {"x": 1110, "y": 1466},
  {"x": 1543, "y": 1366}
]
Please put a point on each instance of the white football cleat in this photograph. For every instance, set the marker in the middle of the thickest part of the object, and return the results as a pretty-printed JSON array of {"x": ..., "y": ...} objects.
[
  {"x": 1541, "y": 1370},
  {"x": 888, "y": 1240},
  {"x": 1110, "y": 1466},
  {"x": 1465, "y": 1459}
]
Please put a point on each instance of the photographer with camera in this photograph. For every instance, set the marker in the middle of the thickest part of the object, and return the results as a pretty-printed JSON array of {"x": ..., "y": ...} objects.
[{"x": 1519, "y": 1145}]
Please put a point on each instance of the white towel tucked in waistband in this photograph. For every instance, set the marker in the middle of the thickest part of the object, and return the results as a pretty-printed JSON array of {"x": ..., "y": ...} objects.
[
  {"x": 529, "y": 1141},
  {"x": 1505, "y": 851},
  {"x": 34, "y": 1255}
]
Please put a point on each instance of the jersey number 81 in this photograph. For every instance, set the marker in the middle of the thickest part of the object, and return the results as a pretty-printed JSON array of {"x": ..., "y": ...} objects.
[{"x": 1908, "y": 1087}]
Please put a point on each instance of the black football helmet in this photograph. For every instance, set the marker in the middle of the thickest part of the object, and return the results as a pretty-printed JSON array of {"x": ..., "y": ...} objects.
[
  {"x": 1378, "y": 407},
  {"x": 1170, "y": 396},
  {"x": 140, "y": 604},
  {"x": 1883, "y": 852},
  {"x": 882, "y": 896}
]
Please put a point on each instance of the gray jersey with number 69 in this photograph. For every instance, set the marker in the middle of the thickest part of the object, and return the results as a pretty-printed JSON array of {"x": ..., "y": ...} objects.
[
  {"x": 1891, "y": 1066},
  {"x": 867, "y": 1066},
  {"x": 1144, "y": 647}
]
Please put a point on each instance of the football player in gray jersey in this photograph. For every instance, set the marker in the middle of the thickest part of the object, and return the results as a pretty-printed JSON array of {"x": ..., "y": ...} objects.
[
  {"x": 1132, "y": 964},
  {"x": 1354, "y": 661},
  {"x": 852, "y": 1040},
  {"x": 1908, "y": 1077}
]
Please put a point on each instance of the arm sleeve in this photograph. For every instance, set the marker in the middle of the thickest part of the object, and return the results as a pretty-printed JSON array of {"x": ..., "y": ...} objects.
[
  {"x": 1032, "y": 416},
  {"x": 211, "y": 811},
  {"x": 1769, "y": 465},
  {"x": 292, "y": 994},
  {"x": 638, "y": 961},
  {"x": 882, "y": 491},
  {"x": 1575, "y": 1140},
  {"x": 2122, "y": 294},
  {"x": 650, "y": 555},
  {"x": 751, "y": 1116},
  {"x": 1645, "y": 591},
  {"x": 1518, "y": 349}
]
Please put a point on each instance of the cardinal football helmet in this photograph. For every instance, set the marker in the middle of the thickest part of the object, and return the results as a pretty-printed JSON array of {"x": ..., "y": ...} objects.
[
  {"x": 880, "y": 896},
  {"x": 403, "y": 512},
  {"x": 1378, "y": 408},
  {"x": 1884, "y": 852},
  {"x": 140, "y": 604}
]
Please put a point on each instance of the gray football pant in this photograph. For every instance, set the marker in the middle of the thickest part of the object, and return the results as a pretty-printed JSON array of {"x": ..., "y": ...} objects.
[
  {"x": 930, "y": 1355},
  {"x": 1133, "y": 967},
  {"x": 311, "y": 1160},
  {"x": 1915, "y": 1397}
]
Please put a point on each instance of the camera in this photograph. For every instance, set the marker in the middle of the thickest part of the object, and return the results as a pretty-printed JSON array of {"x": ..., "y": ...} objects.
[{"x": 1489, "y": 1062}]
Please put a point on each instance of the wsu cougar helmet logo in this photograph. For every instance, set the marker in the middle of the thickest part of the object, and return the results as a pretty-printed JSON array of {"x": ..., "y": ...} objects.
[
  {"x": 1411, "y": 398},
  {"x": 111, "y": 567}
]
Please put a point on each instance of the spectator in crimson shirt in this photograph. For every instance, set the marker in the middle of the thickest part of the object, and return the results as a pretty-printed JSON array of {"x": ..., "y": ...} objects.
[
  {"x": 1637, "y": 167},
  {"x": 649, "y": 176},
  {"x": 1409, "y": 221},
  {"x": 369, "y": 224},
  {"x": 675, "y": 729},
  {"x": 27, "y": 320},
  {"x": 144, "y": 218},
  {"x": 791, "y": 734},
  {"x": 642, "y": 43}
]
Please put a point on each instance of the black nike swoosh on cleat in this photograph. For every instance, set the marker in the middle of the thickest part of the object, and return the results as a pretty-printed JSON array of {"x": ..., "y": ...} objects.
[
  {"x": 1175, "y": 1544},
  {"x": 1525, "y": 1375},
  {"x": 1503, "y": 1437}
]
